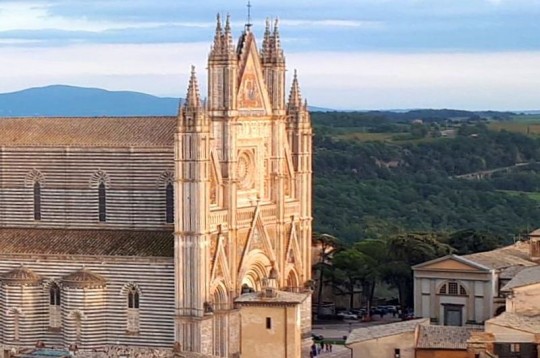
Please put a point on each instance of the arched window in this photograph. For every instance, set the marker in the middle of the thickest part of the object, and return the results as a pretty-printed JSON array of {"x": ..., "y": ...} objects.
[
  {"x": 55, "y": 311},
  {"x": 133, "y": 298},
  {"x": 102, "y": 197},
  {"x": 169, "y": 203},
  {"x": 37, "y": 201},
  {"x": 54, "y": 294},
  {"x": 452, "y": 289},
  {"x": 132, "y": 325}
]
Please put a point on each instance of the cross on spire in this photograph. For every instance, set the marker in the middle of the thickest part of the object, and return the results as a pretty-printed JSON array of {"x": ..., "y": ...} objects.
[{"x": 249, "y": 24}]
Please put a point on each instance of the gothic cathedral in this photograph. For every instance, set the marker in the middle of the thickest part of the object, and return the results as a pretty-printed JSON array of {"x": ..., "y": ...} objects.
[
  {"x": 190, "y": 232},
  {"x": 243, "y": 192}
]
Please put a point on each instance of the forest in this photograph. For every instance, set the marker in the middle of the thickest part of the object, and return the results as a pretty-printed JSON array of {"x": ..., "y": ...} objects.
[
  {"x": 394, "y": 190},
  {"x": 368, "y": 189}
]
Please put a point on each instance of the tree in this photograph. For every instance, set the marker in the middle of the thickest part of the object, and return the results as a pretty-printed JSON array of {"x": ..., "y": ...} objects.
[
  {"x": 349, "y": 269},
  {"x": 326, "y": 245},
  {"x": 471, "y": 241}
]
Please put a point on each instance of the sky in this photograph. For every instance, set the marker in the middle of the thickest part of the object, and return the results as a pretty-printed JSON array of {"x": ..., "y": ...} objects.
[{"x": 350, "y": 54}]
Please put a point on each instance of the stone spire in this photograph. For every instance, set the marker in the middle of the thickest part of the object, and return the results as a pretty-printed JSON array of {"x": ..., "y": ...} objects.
[
  {"x": 218, "y": 37},
  {"x": 193, "y": 99},
  {"x": 228, "y": 39},
  {"x": 267, "y": 42},
  {"x": 278, "y": 52},
  {"x": 295, "y": 96}
]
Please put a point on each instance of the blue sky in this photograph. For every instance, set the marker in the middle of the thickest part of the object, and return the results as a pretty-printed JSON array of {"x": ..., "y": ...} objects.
[{"x": 355, "y": 54}]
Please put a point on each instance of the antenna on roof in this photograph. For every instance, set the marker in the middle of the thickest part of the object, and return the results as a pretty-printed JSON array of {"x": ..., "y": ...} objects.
[{"x": 249, "y": 24}]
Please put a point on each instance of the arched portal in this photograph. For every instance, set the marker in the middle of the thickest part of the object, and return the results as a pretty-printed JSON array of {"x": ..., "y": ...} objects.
[
  {"x": 293, "y": 283},
  {"x": 220, "y": 304},
  {"x": 255, "y": 268}
]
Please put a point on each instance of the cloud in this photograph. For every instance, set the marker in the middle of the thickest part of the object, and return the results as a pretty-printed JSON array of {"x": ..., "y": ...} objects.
[
  {"x": 333, "y": 23},
  {"x": 419, "y": 80}
]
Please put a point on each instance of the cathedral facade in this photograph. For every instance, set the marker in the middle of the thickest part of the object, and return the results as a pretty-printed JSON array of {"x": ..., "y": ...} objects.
[{"x": 188, "y": 231}]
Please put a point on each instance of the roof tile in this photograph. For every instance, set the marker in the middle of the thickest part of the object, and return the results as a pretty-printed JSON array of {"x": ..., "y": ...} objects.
[
  {"x": 88, "y": 131},
  {"x": 87, "y": 242}
]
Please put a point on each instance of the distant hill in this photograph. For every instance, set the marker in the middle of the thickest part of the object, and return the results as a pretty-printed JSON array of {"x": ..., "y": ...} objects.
[
  {"x": 71, "y": 101},
  {"x": 61, "y": 100}
]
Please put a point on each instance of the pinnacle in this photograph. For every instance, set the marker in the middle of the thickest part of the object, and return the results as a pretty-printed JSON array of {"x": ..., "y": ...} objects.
[
  {"x": 228, "y": 43},
  {"x": 295, "y": 96},
  {"x": 277, "y": 41},
  {"x": 192, "y": 97}
]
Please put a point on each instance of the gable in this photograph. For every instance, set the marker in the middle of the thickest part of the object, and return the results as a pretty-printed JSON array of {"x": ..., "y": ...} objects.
[
  {"x": 450, "y": 263},
  {"x": 252, "y": 94}
]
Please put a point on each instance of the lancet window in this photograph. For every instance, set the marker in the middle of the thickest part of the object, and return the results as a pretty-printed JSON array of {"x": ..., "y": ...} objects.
[
  {"x": 37, "y": 201},
  {"x": 102, "y": 202},
  {"x": 133, "y": 296},
  {"x": 169, "y": 203},
  {"x": 55, "y": 311}
]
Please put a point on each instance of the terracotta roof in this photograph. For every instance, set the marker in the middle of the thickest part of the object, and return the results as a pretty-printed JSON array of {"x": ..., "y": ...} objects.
[
  {"x": 529, "y": 276},
  {"x": 88, "y": 131},
  {"x": 516, "y": 321},
  {"x": 21, "y": 276},
  {"x": 83, "y": 279},
  {"x": 443, "y": 337},
  {"x": 513, "y": 255},
  {"x": 510, "y": 272},
  {"x": 384, "y": 330},
  {"x": 87, "y": 242}
]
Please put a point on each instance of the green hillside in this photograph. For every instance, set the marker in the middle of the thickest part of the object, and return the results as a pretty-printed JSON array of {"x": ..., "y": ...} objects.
[{"x": 377, "y": 175}]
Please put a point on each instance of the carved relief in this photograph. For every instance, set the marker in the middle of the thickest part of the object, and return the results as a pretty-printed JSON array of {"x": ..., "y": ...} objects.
[{"x": 253, "y": 129}]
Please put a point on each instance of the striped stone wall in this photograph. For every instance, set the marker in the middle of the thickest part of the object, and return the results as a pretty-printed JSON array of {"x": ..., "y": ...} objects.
[
  {"x": 135, "y": 179},
  {"x": 104, "y": 310}
]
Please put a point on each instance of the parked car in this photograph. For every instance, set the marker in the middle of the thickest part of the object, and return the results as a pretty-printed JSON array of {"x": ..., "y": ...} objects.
[
  {"x": 317, "y": 337},
  {"x": 347, "y": 315}
]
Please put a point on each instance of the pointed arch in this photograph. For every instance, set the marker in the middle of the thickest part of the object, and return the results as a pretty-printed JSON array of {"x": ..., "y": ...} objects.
[
  {"x": 292, "y": 282},
  {"x": 220, "y": 302},
  {"x": 34, "y": 176},
  {"x": 256, "y": 266},
  {"x": 132, "y": 295},
  {"x": 167, "y": 177},
  {"x": 99, "y": 177}
]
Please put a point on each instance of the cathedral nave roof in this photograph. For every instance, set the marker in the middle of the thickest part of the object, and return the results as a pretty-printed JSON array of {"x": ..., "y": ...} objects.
[
  {"x": 87, "y": 242},
  {"x": 88, "y": 131}
]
